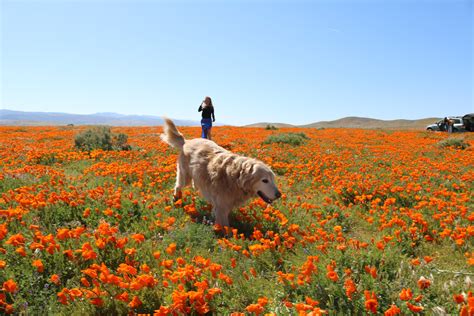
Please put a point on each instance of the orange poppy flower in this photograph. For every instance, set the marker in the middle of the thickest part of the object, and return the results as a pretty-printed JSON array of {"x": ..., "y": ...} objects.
[
  {"x": 135, "y": 302},
  {"x": 350, "y": 287},
  {"x": 55, "y": 279},
  {"x": 392, "y": 311},
  {"x": 38, "y": 264},
  {"x": 371, "y": 302},
  {"x": 171, "y": 249},
  {"x": 406, "y": 294},
  {"x": 423, "y": 283},
  {"x": 10, "y": 286},
  {"x": 414, "y": 308},
  {"x": 257, "y": 309}
]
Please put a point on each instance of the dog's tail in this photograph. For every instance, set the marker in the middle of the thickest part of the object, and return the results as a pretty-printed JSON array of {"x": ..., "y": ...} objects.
[{"x": 171, "y": 135}]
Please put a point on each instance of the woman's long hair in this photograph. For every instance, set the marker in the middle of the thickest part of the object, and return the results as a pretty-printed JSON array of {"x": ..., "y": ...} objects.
[{"x": 207, "y": 102}]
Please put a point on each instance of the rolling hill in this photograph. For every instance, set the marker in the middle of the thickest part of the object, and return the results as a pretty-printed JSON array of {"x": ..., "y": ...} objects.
[{"x": 360, "y": 122}]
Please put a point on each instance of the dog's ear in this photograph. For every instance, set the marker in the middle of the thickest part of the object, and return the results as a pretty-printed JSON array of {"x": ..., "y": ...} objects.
[
  {"x": 249, "y": 169},
  {"x": 246, "y": 176}
]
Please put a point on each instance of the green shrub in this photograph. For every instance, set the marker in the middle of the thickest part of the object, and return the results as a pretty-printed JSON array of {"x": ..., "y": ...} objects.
[
  {"x": 100, "y": 137},
  {"x": 294, "y": 139},
  {"x": 119, "y": 142},
  {"x": 271, "y": 127},
  {"x": 457, "y": 143}
]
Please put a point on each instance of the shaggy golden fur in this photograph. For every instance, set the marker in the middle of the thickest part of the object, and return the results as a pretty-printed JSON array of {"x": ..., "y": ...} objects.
[{"x": 224, "y": 179}]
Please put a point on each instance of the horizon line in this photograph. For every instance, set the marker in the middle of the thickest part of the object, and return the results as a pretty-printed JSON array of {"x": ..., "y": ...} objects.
[{"x": 223, "y": 124}]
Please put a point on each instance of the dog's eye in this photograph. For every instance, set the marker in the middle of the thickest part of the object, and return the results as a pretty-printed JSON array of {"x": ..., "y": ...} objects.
[{"x": 265, "y": 181}]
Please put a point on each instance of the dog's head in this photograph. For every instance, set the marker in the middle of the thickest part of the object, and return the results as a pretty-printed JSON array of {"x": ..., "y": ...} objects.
[{"x": 263, "y": 183}]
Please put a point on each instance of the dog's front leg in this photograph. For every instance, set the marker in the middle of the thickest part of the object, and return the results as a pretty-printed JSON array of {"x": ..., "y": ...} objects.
[
  {"x": 181, "y": 180},
  {"x": 222, "y": 216},
  {"x": 183, "y": 176},
  {"x": 177, "y": 194}
]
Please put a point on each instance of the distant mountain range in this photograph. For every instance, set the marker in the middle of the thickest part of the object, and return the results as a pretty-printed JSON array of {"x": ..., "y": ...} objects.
[
  {"x": 360, "y": 122},
  {"x": 9, "y": 117}
]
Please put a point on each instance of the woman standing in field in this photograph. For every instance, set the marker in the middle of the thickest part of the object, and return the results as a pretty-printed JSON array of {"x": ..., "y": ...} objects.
[
  {"x": 450, "y": 126},
  {"x": 207, "y": 110}
]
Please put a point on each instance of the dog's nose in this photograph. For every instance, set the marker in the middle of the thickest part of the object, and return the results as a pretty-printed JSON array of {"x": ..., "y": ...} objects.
[{"x": 278, "y": 194}]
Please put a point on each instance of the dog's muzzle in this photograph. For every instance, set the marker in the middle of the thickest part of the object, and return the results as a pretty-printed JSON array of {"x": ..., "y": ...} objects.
[{"x": 266, "y": 198}]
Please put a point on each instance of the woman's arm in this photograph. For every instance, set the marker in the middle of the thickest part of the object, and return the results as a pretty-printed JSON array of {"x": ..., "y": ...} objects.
[
  {"x": 200, "y": 108},
  {"x": 213, "y": 117}
]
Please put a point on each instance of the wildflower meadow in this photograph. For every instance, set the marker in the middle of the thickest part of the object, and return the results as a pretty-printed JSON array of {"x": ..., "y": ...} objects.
[{"x": 370, "y": 222}]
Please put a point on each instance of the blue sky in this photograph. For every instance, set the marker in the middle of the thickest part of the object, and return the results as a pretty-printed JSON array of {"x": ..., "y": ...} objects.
[{"x": 275, "y": 61}]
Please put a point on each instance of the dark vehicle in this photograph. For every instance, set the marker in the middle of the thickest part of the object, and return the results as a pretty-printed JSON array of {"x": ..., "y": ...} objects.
[{"x": 468, "y": 122}]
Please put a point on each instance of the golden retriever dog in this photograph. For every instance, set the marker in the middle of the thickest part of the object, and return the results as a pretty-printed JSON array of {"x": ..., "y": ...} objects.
[{"x": 224, "y": 179}]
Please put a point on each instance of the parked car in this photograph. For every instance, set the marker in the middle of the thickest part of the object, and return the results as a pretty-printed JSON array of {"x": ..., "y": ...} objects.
[
  {"x": 468, "y": 121},
  {"x": 441, "y": 125}
]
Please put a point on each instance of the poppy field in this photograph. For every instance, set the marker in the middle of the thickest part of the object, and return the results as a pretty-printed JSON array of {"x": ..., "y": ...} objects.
[{"x": 370, "y": 222}]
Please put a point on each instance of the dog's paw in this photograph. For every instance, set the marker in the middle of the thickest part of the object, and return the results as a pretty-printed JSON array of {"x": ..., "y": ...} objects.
[
  {"x": 207, "y": 222},
  {"x": 177, "y": 196}
]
